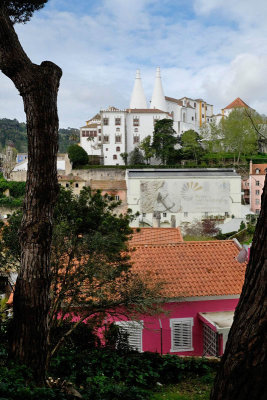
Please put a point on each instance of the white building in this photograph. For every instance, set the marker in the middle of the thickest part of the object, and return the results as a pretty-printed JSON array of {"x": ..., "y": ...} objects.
[
  {"x": 114, "y": 131},
  {"x": 183, "y": 195}
]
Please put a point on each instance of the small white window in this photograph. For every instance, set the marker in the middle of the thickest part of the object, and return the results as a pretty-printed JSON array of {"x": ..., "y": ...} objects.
[
  {"x": 257, "y": 170},
  {"x": 117, "y": 198},
  {"x": 257, "y": 201},
  {"x": 181, "y": 334},
  {"x": 164, "y": 214},
  {"x": 134, "y": 330},
  {"x": 257, "y": 192},
  {"x": 257, "y": 183}
]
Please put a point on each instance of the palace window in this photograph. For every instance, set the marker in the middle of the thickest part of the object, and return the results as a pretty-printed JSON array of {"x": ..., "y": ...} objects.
[
  {"x": 105, "y": 121},
  {"x": 117, "y": 121},
  {"x": 136, "y": 139},
  {"x": 115, "y": 157},
  {"x": 164, "y": 214},
  {"x": 118, "y": 148},
  {"x": 118, "y": 129},
  {"x": 118, "y": 139},
  {"x": 106, "y": 139},
  {"x": 192, "y": 118},
  {"x": 181, "y": 334},
  {"x": 136, "y": 122}
]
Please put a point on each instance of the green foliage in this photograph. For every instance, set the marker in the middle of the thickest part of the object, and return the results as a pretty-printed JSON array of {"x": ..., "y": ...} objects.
[
  {"x": 164, "y": 140},
  {"x": 16, "y": 384},
  {"x": 67, "y": 137},
  {"x": 146, "y": 146},
  {"x": 22, "y": 10},
  {"x": 136, "y": 157},
  {"x": 16, "y": 191},
  {"x": 124, "y": 156},
  {"x": 77, "y": 155},
  {"x": 16, "y": 132},
  {"x": 191, "y": 147}
]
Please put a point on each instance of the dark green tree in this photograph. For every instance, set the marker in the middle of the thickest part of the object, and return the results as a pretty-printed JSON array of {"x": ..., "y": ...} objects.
[
  {"x": 90, "y": 262},
  {"x": 146, "y": 146},
  {"x": 164, "y": 140},
  {"x": 125, "y": 156},
  {"x": 77, "y": 155},
  {"x": 38, "y": 85},
  {"x": 191, "y": 146},
  {"x": 136, "y": 157}
]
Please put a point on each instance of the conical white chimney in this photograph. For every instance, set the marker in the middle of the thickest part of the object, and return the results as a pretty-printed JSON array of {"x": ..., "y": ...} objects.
[
  {"x": 158, "y": 99},
  {"x": 138, "y": 98}
]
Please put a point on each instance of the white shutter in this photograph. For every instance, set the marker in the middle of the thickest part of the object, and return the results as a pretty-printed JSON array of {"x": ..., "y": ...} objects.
[
  {"x": 134, "y": 330},
  {"x": 181, "y": 334}
]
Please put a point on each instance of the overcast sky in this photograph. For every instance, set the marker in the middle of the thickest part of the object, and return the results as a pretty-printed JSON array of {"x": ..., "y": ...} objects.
[{"x": 213, "y": 49}]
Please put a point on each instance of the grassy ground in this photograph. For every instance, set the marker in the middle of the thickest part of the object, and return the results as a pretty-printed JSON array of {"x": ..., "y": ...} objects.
[{"x": 190, "y": 389}]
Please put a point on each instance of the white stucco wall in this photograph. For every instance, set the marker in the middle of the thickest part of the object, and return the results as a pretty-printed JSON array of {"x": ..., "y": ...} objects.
[{"x": 185, "y": 196}]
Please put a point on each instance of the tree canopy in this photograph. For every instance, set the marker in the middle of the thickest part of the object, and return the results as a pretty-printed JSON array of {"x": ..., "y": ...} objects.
[
  {"x": 90, "y": 262},
  {"x": 191, "y": 146},
  {"x": 136, "y": 157},
  {"x": 21, "y": 10},
  {"x": 77, "y": 155},
  {"x": 164, "y": 139}
]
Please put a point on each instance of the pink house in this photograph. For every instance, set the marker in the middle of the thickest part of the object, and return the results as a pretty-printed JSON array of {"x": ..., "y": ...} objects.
[
  {"x": 202, "y": 284},
  {"x": 115, "y": 188},
  {"x": 257, "y": 173}
]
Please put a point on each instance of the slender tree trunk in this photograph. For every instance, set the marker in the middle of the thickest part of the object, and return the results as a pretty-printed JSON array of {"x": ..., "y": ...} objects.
[
  {"x": 38, "y": 86},
  {"x": 243, "y": 371}
]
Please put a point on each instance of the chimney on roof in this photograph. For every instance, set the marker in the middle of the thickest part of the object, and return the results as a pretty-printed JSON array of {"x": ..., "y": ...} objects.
[
  {"x": 173, "y": 221},
  {"x": 158, "y": 99},
  {"x": 156, "y": 219},
  {"x": 250, "y": 167},
  {"x": 138, "y": 98}
]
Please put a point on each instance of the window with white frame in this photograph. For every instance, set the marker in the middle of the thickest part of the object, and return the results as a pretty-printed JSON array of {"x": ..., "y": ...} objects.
[
  {"x": 257, "y": 192},
  {"x": 134, "y": 331},
  {"x": 117, "y": 197},
  {"x": 181, "y": 334}
]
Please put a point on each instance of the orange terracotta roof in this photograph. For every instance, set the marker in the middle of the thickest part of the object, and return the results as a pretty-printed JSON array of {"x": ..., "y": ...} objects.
[
  {"x": 174, "y": 100},
  {"x": 237, "y": 103},
  {"x": 146, "y": 110},
  {"x": 108, "y": 185},
  {"x": 192, "y": 269},
  {"x": 261, "y": 167},
  {"x": 156, "y": 236}
]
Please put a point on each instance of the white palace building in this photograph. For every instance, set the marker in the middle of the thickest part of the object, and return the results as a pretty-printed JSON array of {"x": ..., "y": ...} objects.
[{"x": 114, "y": 131}]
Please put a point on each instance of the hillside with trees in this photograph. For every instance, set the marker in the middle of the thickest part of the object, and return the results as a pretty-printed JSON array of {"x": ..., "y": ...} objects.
[{"x": 11, "y": 130}]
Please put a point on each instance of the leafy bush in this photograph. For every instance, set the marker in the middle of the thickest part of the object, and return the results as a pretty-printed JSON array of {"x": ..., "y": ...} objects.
[{"x": 77, "y": 155}]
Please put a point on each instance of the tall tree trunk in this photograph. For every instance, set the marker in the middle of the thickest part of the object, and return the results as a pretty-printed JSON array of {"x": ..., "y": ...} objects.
[
  {"x": 38, "y": 85},
  {"x": 243, "y": 370}
]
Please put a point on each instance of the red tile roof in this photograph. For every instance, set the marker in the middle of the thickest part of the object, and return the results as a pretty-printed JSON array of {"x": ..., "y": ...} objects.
[
  {"x": 174, "y": 100},
  {"x": 108, "y": 185},
  {"x": 192, "y": 269},
  {"x": 237, "y": 103},
  {"x": 262, "y": 169},
  {"x": 146, "y": 111},
  {"x": 156, "y": 236}
]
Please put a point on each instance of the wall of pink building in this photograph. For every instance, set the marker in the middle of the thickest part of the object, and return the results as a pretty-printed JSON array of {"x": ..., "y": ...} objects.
[
  {"x": 253, "y": 188},
  {"x": 152, "y": 334}
]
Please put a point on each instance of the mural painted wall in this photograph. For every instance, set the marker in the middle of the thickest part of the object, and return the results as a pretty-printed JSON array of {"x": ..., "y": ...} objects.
[{"x": 185, "y": 196}]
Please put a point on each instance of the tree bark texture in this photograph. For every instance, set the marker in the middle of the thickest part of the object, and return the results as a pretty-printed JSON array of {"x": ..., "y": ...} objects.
[
  {"x": 243, "y": 370},
  {"x": 38, "y": 86}
]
